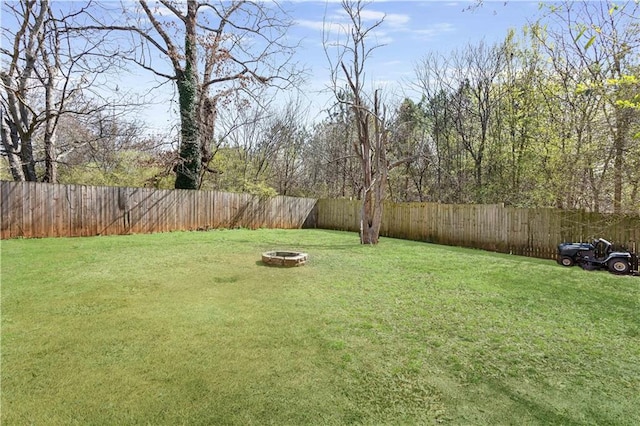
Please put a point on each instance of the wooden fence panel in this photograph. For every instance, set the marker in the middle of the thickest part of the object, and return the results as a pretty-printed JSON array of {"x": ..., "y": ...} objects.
[
  {"x": 527, "y": 232},
  {"x": 341, "y": 215},
  {"x": 31, "y": 209}
]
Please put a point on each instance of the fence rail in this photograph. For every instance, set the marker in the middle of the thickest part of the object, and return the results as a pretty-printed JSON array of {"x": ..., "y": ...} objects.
[
  {"x": 32, "y": 209},
  {"x": 528, "y": 232}
]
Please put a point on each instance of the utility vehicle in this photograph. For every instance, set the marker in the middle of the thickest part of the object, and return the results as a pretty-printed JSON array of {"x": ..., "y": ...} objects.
[{"x": 598, "y": 254}]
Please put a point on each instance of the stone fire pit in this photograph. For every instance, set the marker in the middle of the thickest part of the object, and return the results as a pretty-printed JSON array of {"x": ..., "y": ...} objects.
[{"x": 284, "y": 258}]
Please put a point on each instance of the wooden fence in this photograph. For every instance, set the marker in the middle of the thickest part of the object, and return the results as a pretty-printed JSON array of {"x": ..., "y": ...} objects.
[
  {"x": 30, "y": 209},
  {"x": 527, "y": 232}
]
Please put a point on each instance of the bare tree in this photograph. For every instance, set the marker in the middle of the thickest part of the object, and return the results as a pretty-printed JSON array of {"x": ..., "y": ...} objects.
[
  {"x": 18, "y": 118},
  {"x": 410, "y": 136},
  {"x": 370, "y": 143},
  {"x": 332, "y": 164},
  {"x": 210, "y": 51},
  {"x": 476, "y": 69},
  {"x": 288, "y": 132},
  {"x": 436, "y": 85},
  {"x": 50, "y": 69},
  {"x": 245, "y": 149}
]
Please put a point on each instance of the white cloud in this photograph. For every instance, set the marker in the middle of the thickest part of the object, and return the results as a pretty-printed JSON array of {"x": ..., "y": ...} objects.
[
  {"x": 393, "y": 63},
  {"x": 383, "y": 38},
  {"x": 433, "y": 31},
  {"x": 397, "y": 19},
  {"x": 392, "y": 19},
  {"x": 313, "y": 25},
  {"x": 371, "y": 15},
  {"x": 330, "y": 27},
  {"x": 340, "y": 20}
]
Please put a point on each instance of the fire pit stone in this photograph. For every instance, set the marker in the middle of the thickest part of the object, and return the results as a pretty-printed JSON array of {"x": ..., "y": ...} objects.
[{"x": 284, "y": 258}]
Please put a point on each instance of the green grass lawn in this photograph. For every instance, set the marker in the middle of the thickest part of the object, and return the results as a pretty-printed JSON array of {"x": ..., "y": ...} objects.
[{"x": 190, "y": 328}]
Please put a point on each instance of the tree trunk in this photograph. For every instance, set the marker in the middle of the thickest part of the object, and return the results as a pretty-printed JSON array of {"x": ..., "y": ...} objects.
[
  {"x": 189, "y": 167},
  {"x": 622, "y": 128},
  {"x": 617, "y": 174},
  {"x": 19, "y": 132},
  {"x": 50, "y": 163},
  {"x": 10, "y": 142},
  {"x": 376, "y": 175},
  {"x": 368, "y": 232},
  {"x": 28, "y": 162}
]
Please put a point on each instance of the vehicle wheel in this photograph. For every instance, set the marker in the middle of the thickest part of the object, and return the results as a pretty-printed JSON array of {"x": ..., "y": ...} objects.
[
  {"x": 566, "y": 261},
  {"x": 619, "y": 266}
]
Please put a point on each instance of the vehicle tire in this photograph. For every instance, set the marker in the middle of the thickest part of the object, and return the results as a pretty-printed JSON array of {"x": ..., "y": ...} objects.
[
  {"x": 566, "y": 261},
  {"x": 619, "y": 266}
]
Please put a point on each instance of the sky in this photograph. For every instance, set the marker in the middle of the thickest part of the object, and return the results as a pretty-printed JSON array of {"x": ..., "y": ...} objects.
[{"x": 411, "y": 29}]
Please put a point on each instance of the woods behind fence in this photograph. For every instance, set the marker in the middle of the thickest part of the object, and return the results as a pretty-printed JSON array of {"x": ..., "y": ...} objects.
[{"x": 43, "y": 210}]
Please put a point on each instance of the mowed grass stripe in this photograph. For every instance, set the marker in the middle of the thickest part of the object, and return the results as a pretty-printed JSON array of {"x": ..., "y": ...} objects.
[{"x": 190, "y": 328}]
